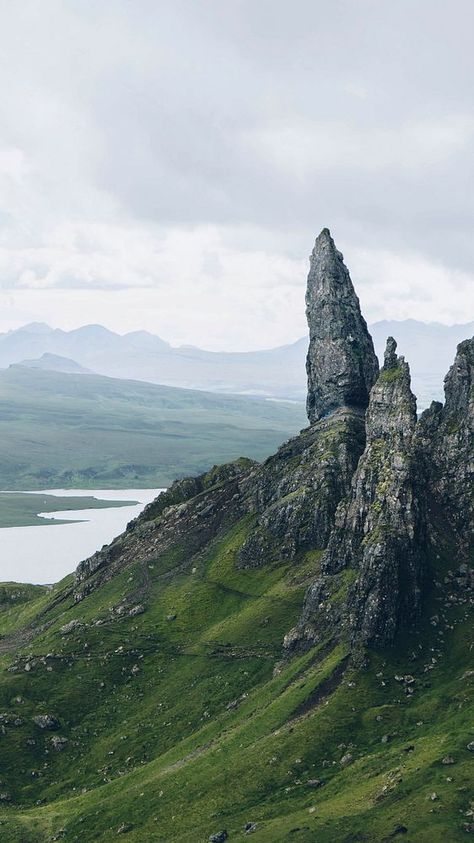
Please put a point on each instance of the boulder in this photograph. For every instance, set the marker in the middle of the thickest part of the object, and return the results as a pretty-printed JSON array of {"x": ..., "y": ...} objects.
[{"x": 46, "y": 721}]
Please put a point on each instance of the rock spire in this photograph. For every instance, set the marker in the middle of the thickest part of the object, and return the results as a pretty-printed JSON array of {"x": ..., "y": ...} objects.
[
  {"x": 341, "y": 362},
  {"x": 448, "y": 438},
  {"x": 379, "y": 538}
]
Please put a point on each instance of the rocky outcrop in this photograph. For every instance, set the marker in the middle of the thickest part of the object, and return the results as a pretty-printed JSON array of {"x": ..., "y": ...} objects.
[
  {"x": 185, "y": 489},
  {"x": 190, "y": 514},
  {"x": 391, "y": 510},
  {"x": 375, "y": 559},
  {"x": 412, "y": 493},
  {"x": 447, "y": 436},
  {"x": 367, "y": 485},
  {"x": 295, "y": 493},
  {"x": 341, "y": 362}
]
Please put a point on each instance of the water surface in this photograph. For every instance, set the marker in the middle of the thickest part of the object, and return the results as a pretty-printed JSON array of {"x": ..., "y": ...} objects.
[{"x": 46, "y": 553}]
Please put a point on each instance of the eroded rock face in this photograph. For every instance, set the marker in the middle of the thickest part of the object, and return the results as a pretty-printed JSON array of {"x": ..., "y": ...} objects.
[
  {"x": 459, "y": 384},
  {"x": 374, "y": 562},
  {"x": 412, "y": 491},
  {"x": 191, "y": 513},
  {"x": 292, "y": 499},
  {"x": 447, "y": 434},
  {"x": 341, "y": 362},
  {"x": 386, "y": 595},
  {"x": 295, "y": 493}
]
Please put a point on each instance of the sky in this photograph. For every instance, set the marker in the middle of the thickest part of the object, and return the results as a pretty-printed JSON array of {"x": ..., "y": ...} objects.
[{"x": 167, "y": 164}]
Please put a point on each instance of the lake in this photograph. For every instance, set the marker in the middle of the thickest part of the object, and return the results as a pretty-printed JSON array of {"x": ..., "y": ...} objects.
[{"x": 45, "y": 554}]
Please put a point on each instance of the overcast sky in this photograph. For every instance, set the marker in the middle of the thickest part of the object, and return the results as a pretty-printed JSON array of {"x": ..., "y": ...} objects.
[{"x": 167, "y": 164}]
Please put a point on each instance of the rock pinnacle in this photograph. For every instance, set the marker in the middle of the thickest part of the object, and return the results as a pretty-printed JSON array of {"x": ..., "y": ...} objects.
[{"x": 341, "y": 362}]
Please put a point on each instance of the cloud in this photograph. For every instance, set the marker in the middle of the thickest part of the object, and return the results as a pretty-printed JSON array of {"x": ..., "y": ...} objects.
[
  {"x": 306, "y": 148},
  {"x": 206, "y": 284},
  {"x": 169, "y": 165},
  {"x": 397, "y": 286}
]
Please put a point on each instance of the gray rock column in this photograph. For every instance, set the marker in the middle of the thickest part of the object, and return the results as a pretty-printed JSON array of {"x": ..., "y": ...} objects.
[{"x": 341, "y": 362}]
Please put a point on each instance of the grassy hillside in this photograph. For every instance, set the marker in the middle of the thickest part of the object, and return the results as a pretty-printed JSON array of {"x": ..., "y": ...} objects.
[
  {"x": 64, "y": 430},
  {"x": 177, "y": 725}
]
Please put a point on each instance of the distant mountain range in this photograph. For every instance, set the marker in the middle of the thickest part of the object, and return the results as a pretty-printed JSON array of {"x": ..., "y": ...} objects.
[
  {"x": 55, "y": 363},
  {"x": 277, "y": 373}
]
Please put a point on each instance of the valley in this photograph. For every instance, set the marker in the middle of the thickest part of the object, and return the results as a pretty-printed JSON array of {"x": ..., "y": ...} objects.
[{"x": 62, "y": 430}]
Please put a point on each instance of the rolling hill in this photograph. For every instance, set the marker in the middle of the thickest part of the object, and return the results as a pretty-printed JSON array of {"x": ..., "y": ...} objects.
[{"x": 65, "y": 430}]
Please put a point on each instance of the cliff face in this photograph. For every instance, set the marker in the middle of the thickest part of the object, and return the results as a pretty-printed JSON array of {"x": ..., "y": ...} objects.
[
  {"x": 448, "y": 438},
  {"x": 412, "y": 489},
  {"x": 377, "y": 545},
  {"x": 366, "y": 485},
  {"x": 297, "y": 492},
  {"x": 387, "y": 497}
]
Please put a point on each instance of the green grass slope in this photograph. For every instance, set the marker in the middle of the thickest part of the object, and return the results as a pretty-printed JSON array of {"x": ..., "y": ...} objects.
[
  {"x": 86, "y": 431},
  {"x": 180, "y": 721}
]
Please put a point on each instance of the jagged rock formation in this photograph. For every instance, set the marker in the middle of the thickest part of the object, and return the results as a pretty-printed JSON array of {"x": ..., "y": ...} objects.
[
  {"x": 413, "y": 490},
  {"x": 387, "y": 592},
  {"x": 366, "y": 484},
  {"x": 296, "y": 492},
  {"x": 341, "y": 362},
  {"x": 447, "y": 433},
  {"x": 377, "y": 546},
  {"x": 293, "y": 496},
  {"x": 191, "y": 512}
]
